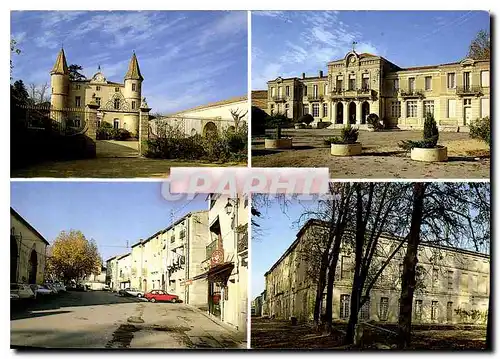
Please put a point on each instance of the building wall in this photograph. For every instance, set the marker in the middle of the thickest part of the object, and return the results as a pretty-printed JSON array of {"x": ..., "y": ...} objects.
[
  {"x": 124, "y": 271},
  {"x": 446, "y": 277},
  {"x": 234, "y": 302},
  {"x": 199, "y": 238},
  {"x": 27, "y": 241},
  {"x": 379, "y": 100},
  {"x": 137, "y": 269},
  {"x": 195, "y": 121}
]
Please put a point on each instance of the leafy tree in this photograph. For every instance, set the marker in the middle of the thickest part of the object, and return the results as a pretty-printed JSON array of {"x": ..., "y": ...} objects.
[
  {"x": 258, "y": 122},
  {"x": 307, "y": 119},
  {"x": 479, "y": 48},
  {"x": 13, "y": 50},
  {"x": 481, "y": 129},
  {"x": 74, "y": 73},
  {"x": 73, "y": 257}
]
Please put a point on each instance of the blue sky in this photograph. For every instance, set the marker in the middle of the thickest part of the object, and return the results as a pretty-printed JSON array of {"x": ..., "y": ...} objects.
[
  {"x": 112, "y": 213},
  {"x": 186, "y": 58},
  {"x": 278, "y": 230},
  {"x": 287, "y": 43}
]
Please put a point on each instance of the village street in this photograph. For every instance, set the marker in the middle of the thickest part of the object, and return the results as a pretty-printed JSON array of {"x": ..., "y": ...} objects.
[{"x": 99, "y": 319}]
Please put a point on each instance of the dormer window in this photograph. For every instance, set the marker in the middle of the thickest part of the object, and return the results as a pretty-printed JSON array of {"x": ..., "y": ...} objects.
[
  {"x": 117, "y": 89},
  {"x": 98, "y": 88},
  {"x": 117, "y": 104}
]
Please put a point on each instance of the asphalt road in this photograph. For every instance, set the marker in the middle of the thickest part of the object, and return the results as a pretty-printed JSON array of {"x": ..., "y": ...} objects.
[{"x": 105, "y": 320}]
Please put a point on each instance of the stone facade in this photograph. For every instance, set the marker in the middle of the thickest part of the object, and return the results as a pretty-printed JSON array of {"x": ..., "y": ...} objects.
[
  {"x": 448, "y": 280},
  {"x": 225, "y": 265},
  {"x": 28, "y": 251},
  {"x": 118, "y": 103},
  {"x": 124, "y": 268},
  {"x": 213, "y": 116},
  {"x": 361, "y": 84}
]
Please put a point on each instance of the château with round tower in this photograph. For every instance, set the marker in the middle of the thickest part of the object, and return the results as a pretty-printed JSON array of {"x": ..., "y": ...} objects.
[{"x": 118, "y": 102}]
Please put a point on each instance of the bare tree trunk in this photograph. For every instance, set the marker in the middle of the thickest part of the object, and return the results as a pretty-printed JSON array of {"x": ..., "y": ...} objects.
[
  {"x": 319, "y": 291},
  {"x": 329, "y": 287},
  {"x": 409, "y": 266},
  {"x": 489, "y": 342}
]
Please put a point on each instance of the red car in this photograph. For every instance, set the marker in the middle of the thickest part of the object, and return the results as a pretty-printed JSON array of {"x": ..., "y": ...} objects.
[{"x": 161, "y": 296}]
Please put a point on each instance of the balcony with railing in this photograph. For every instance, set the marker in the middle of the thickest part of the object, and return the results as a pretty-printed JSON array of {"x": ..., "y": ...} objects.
[
  {"x": 352, "y": 93},
  {"x": 212, "y": 247},
  {"x": 314, "y": 98},
  {"x": 412, "y": 93},
  {"x": 278, "y": 98},
  {"x": 469, "y": 90}
]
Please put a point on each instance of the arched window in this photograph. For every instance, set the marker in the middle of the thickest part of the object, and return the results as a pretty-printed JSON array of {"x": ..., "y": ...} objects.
[{"x": 116, "y": 123}]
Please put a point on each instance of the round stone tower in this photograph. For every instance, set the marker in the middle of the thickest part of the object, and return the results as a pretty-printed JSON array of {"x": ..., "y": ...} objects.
[
  {"x": 59, "y": 81},
  {"x": 132, "y": 93}
]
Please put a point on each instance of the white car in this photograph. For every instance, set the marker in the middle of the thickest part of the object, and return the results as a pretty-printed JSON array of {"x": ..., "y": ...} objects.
[
  {"x": 43, "y": 290},
  {"x": 23, "y": 291}
]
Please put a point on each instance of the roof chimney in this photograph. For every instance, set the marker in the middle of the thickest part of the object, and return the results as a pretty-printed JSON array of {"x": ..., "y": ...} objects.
[
  {"x": 320, "y": 73},
  {"x": 303, "y": 75}
]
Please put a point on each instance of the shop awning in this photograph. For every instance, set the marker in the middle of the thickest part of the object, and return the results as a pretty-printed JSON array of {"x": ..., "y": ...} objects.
[{"x": 218, "y": 273}]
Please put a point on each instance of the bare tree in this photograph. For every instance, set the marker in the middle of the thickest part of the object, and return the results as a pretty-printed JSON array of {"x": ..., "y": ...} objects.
[
  {"x": 42, "y": 90},
  {"x": 237, "y": 116},
  {"x": 456, "y": 214},
  {"x": 33, "y": 92}
]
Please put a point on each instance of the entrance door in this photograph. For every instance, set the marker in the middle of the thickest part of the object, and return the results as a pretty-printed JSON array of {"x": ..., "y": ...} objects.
[
  {"x": 144, "y": 285},
  {"x": 33, "y": 263},
  {"x": 340, "y": 113},
  {"x": 467, "y": 115},
  {"x": 352, "y": 113},
  {"x": 365, "y": 111}
]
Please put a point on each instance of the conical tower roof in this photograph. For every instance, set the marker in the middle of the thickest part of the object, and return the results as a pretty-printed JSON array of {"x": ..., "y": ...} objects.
[
  {"x": 133, "y": 72},
  {"x": 61, "y": 66}
]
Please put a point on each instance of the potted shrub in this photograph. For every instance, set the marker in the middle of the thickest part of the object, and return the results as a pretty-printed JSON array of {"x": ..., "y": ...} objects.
[
  {"x": 427, "y": 150},
  {"x": 277, "y": 140},
  {"x": 373, "y": 122},
  {"x": 306, "y": 120},
  {"x": 346, "y": 144}
]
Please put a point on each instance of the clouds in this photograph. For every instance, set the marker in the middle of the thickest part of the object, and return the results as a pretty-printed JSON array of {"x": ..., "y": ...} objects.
[
  {"x": 185, "y": 57},
  {"x": 306, "y": 43}
]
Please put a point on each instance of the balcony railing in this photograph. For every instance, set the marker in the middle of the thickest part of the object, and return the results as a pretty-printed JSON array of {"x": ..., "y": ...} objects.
[
  {"x": 278, "y": 98},
  {"x": 211, "y": 248},
  {"x": 313, "y": 98},
  {"x": 352, "y": 93},
  {"x": 469, "y": 90},
  {"x": 412, "y": 93}
]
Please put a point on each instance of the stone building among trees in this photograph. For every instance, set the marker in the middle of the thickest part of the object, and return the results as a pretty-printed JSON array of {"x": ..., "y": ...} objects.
[{"x": 452, "y": 284}]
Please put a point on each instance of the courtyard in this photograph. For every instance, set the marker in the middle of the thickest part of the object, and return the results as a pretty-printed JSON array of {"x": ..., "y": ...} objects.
[
  {"x": 381, "y": 157},
  {"x": 115, "y": 159},
  {"x": 281, "y": 334}
]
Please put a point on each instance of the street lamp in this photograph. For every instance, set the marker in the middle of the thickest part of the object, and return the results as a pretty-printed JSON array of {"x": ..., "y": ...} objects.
[{"x": 229, "y": 207}]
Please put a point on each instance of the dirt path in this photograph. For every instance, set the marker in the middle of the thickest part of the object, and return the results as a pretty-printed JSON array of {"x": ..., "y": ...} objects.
[{"x": 381, "y": 158}]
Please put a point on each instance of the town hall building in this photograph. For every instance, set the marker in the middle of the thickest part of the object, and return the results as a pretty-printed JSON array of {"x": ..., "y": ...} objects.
[{"x": 360, "y": 84}]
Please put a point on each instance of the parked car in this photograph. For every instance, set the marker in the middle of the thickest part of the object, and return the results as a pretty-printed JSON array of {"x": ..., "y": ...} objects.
[
  {"x": 23, "y": 291},
  {"x": 51, "y": 288},
  {"x": 130, "y": 292},
  {"x": 41, "y": 290},
  {"x": 161, "y": 296},
  {"x": 60, "y": 287}
]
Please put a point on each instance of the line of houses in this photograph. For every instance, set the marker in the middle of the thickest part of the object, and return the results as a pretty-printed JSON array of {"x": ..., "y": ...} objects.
[{"x": 201, "y": 257}]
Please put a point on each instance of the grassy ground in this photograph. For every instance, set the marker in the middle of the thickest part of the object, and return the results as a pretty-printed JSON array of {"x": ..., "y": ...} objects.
[
  {"x": 279, "y": 334},
  {"x": 381, "y": 158},
  {"x": 115, "y": 159}
]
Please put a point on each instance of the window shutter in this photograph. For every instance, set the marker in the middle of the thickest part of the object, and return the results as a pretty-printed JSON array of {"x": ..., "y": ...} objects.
[
  {"x": 485, "y": 78},
  {"x": 485, "y": 107},
  {"x": 452, "y": 106}
]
